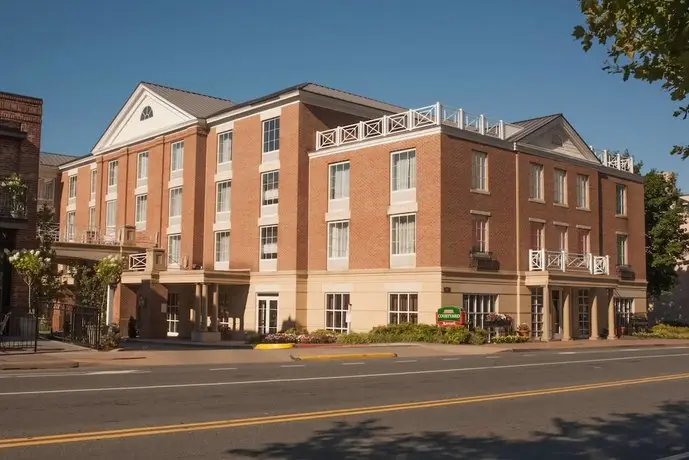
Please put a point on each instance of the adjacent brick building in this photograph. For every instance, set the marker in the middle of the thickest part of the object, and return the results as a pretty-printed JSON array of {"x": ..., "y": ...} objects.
[
  {"x": 20, "y": 141},
  {"x": 331, "y": 210}
]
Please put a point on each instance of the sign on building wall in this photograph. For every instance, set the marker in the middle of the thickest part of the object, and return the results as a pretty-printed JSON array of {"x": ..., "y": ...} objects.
[{"x": 450, "y": 316}]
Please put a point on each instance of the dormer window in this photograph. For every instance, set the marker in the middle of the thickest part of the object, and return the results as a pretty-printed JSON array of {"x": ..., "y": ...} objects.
[{"x": 146, "y": 113}]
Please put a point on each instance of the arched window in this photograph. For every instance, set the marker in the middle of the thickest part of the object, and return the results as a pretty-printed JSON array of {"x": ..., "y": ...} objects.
[{"x": 146, "y": 113}]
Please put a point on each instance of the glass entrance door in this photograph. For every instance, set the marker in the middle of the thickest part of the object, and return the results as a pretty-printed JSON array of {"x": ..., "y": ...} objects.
[{"x": 267, "y": 310}]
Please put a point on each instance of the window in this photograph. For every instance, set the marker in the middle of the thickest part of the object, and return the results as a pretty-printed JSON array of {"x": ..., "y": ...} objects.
[
  {"x": 336, "y": 309},
  {"x": 477, "y": 307},
  {"x": 584, "y": 313},
  {"x": 141, "y": 202},
  {"x": 583, "y": 241},
  {"x": 175, "y": 202},
  {"x": 222, "y": 246},
  {"x": 92, "y": 217},
  {"x": 47, "y": 190},
  {"x": 338, "y": 240},
  {"x": 536, "y": 182},
  {"x": 404, "y": 308},
  {"x": 146, "y": 113},
  {"x": 480, "y": 234},
  {"x": 94, "y": 184},
  {"x": 225, "y": 147},
  {"x": 536, "y": 312},
  {"x": 112, "y": 174},
  {"x": 561, "y": 237},
  {"x": 537, "y": 235},
  {"x": 621, "y": 199},
  {"x": 176, "y": 158},
  {"x": 404, "y": 170},
  {"x": 560, "y": 187},
  {"x": 269, "y": 242},
  {"x": 403, "y": 234},
  {"x": 479, "y": 171},
  {"x": 172, "y": 314},
  {"x": 339, "y": 180},
  {"x": 271, "y": 135},
  {"x": 269, "y": 187},
  {"x": 624, "y": 307},
  {"x": 71, "y": 229},
  {"x": 582, "y": 191},
  {"x": 111, "y": 214},
  {"x": 621, "y": 249},
  {"x": 142, "y": 168},
  {"x": 72, "y": 186},
  {"x": 174, "y": 249},
  {"x": 222, "y": 197}
]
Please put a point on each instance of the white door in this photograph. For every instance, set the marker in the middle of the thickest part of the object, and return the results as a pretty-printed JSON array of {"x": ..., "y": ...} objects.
[
  {"x": 556, "y": 312},
  {"x": 267, "y": 311},
  {"x": 172, "y": 314}
]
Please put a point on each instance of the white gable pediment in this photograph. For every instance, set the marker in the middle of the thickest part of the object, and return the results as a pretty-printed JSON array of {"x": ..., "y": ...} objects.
[
  {"x": 559, "y": 137},
  {"x": 128, "y": 126}
]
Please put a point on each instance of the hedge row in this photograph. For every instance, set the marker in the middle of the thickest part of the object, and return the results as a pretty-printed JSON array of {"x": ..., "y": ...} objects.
[{"x": 664, "y": 331}]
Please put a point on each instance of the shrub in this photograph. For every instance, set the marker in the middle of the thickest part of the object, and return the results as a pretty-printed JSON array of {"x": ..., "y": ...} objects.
[
  {"x": 456, "y": 335},
  {"x": 478, "y": 337},
  {"x": 111, "y": 339},
  {"x": 509, "y": 339},
  {"x": 354, "y": 338}
]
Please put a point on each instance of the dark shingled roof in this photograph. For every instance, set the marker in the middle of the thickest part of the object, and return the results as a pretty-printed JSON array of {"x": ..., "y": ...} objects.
[
  {"x": 531, "y": 125},
  {"x": 55, "y": 159},
  {"x": 197, "y": 105}
]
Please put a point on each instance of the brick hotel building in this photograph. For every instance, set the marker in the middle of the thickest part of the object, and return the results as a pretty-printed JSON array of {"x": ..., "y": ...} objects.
[{"x": 332, "y": 210}]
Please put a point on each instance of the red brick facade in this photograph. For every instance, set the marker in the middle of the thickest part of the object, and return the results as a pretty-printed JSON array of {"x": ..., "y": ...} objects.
[{"x": 20, "y": 141}]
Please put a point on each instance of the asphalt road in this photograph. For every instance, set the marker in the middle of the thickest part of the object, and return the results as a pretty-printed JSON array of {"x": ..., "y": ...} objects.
[{"x": 594, "y": 404}]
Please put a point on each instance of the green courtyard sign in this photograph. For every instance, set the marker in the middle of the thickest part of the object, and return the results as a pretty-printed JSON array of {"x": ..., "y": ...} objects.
[{"x": 449, "y": 316}]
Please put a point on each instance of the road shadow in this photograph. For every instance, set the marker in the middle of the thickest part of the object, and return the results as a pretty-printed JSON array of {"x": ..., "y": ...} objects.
[{"x": 626, "y": 436}]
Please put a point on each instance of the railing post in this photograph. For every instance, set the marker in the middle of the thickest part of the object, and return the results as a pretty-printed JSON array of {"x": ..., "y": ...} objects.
[
  {"x": 438, "y": 113},
  {"x": 384, "y": 128},
  {"x": 461, "y": 118},
  {"x": 589, "y": 262},
  {"x": 605, "y": 157},
  {"x": 501, "y": 129},
  {"x": 563, "y": 260},
  {"x": 338, "y": 135},
  {"x": 410, "y": 119},
  {"x": 360, "y": 131},
  {"x": 482, "y": 124},
  {"x": 607, "y": 265}
]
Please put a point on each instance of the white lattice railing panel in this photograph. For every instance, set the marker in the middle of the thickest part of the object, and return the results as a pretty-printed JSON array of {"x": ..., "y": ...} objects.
[
  {"x": 615, "y": 160},
  {"x": 541, "y": 260},
  {"x": 137, "y": 262},
  {"x": 431, "y": 115}
]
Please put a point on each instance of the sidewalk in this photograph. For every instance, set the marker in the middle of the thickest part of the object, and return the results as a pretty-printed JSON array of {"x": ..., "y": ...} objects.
[{"x": 200, "y": 356}]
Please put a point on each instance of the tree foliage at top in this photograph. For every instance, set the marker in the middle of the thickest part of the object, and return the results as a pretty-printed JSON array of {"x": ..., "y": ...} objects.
[
  {"x": 666, "y": 240},
  {"x": 645, "y": 39}
]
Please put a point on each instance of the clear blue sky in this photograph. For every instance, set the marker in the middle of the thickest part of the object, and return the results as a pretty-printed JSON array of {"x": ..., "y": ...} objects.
[{"x": 509, "y": 59}]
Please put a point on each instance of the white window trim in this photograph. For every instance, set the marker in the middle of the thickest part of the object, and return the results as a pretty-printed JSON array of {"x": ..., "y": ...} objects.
[
  {"x": 541, "y": 185},
  {"x": 167, "y": 250},
  {"x": 341, "y": 199},
  {"x": 345, "y": 310},
  {"x": 263, "y": 135},
  {"x": 398, "y": 311},
  {"x": 392, "y": 165},
  {"x": 113, "y": 166},
  {"x": 221, "y": 264},
  {"x": 140, "y": 224},
  {"x": 587, "y": 203},
  {"x": 223, "y": 216},
  {"x": 176, "y": 173},
  {"x": 268, "y": 264},
  {"x": 175, "y": 219},
  {"x": 624, "y": 200},
  {"x": 625, "y": 261},
  {"x": 224, "y": 165},
  {"x": 404, "y": 260},
  {"x": 483, "y": 187},
  {"x": 337, "y": 263},
  {"x": 560, "y": 174},
  {"x": 485, "y": 217}
]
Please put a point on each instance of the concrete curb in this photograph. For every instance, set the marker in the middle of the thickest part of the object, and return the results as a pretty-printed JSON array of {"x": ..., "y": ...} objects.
[
  {"x": 610, "y": 347},
  {"x": 273, "y": 346},
  {"x": 28, "y": 365},
  {"x": 362, "y": 345},
  {"x": 344, "y": 356}
]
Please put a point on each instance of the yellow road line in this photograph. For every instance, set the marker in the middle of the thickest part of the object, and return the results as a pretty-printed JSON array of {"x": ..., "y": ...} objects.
[{"x": 220, "y": 424}]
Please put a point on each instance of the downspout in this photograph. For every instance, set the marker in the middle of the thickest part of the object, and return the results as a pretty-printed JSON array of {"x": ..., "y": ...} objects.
[
  {"x": 517, "y": 230},
  {"x": 162, "y": 191}
]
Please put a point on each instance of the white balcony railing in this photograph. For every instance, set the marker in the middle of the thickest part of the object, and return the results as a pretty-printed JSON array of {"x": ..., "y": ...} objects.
[
  {"x": 541, "y": 260},
  {"x": 137, "y": 262},
  {"x": 413, "y": 119},
  {"x": 617, "y": 160},
  {"x": 94, "y": 235}
]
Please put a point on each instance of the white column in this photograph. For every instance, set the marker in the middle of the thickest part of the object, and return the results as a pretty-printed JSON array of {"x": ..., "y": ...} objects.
[
  {"x": 567, "y": 314},
  {"x": 546, "y": 313},
  {"x": 611, "y": 315},
  {"x": 198, "y": 308},
  {"x": 594, "y": 314}
]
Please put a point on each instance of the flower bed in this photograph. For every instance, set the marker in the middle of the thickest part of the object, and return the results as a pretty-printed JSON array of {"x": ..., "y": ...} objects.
[
  {"x": 663, "y": 331},
  {"x": 394, "y": 333},
  {"x": 509, "y": 339}
]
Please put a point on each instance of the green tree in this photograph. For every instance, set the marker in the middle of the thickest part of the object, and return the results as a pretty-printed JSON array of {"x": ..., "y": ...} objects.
[
  {"x": 91, "y": 281},
  {"x": 647, "y": 40},
  {"x": 52, "y": 285},
  {"x": 666, "y": 240}
]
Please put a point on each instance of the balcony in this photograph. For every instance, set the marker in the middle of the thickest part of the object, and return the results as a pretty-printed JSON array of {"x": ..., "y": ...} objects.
[
  {"x": 13, "y": 204},
  {"x": 616, "y": 161},
  {"x": 124, "y": 236},
  {"x": 151, "y": 261},
  {"x": 411, "y": 120},
  {"x": 542, "y": 260}
]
